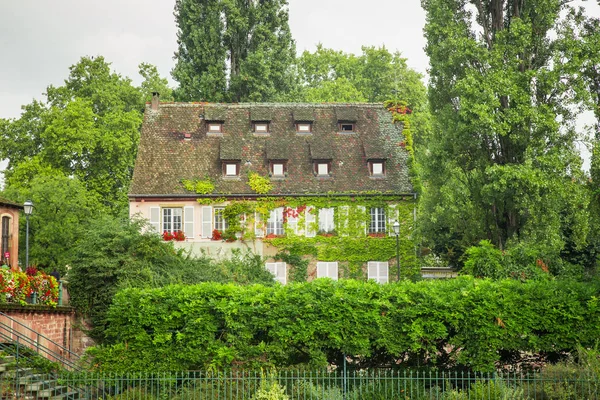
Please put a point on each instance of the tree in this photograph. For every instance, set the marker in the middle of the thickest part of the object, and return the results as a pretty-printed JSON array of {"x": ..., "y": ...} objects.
[
  {"x": 374, "y": 76},
  {"x": 502, "y": 164},
  {"x": 233, "y": 50},
  {"x": 88, "y": 128},
  {"x": 153, "y": 82},
  {"x": 63, "y": 209}
]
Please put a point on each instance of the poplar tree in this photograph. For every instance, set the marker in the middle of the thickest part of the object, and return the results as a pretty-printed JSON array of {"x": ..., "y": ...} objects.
[
  {"x": 502, "y": 164},
  {"x": 233, "y": 50}
]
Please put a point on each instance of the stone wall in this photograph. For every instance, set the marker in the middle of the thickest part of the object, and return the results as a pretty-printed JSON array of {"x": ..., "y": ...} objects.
[{"x": 53, "y": 328}]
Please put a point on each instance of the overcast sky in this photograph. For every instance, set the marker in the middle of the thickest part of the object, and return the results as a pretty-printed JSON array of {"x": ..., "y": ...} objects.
[{"x": 40, "y": 39}]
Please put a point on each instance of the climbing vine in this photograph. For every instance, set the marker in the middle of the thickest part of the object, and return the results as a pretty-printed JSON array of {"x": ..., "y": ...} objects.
[
  {"x": 260, "y": 184},
  {"x": 200, "y": 186}
]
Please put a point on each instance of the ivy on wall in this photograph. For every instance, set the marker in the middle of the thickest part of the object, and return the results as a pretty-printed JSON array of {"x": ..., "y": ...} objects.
[
  {"x": 200, "y": 186},
  {"x": 347, "y": 244}
]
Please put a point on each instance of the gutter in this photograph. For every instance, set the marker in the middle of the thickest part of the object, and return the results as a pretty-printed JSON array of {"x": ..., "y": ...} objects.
[{"x": 251, "y": 195}]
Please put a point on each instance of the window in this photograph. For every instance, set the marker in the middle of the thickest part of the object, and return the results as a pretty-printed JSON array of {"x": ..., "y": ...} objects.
[
  {"x": 278, "y": 168},
  {"x": 322, "y": 168},
  {"x": 275, "y": 222},
  {"x": 5, "y": 235},
  {"x": 220, "y": 221},
  {"x": 327, "y": 270},
  {"x": 231, "y": 168},
  {"x": 304, "y": 127},
  {"x": 279, "y": 271},
  {"x": 326, "y": 220},
  {"x": 215, "y": 127},
  {"x": 346, "y": 127},
  {"x": 377, "y": 168},
  {"x": 260, "y": 127},
  {"x": 378, "y": 271},
  {"x": 377, "y": 220},
  {"x": 172, "y": 219}
]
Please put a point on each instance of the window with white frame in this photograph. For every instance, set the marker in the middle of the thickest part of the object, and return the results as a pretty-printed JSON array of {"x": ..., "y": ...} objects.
[
  {"x": 220, "y": 223},
  {"x": 377, "y": 220},
  {"x": 231, "y": 168},
  {"x": 327, "y": 270},
  {"x": 378, "y": 271},
  {"x": 326, "y": 220},
  {"x": 303, "y": 127},
  {"x": 260, "y": 127},
  {"x": 275, "y": 222},
  {"x": 172, "y": 219},
  {"x": 279, "y": 271},
  {"x": 322, "y": 168},
  {"x": 346, "y": 127},
  {"x": 278, "y": 168},
  {"x": 377, "y": 168},
  {"x": 215, "y": 127}
]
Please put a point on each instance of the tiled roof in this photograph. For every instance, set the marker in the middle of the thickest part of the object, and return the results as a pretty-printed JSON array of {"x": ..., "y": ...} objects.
[
  {"x": 7, "y": 203},
  {"x": 165, "y": 157}
]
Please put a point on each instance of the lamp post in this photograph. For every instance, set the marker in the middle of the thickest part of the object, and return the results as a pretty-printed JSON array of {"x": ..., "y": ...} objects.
[
  {"x": 396, "y": 228},
  {"x": 28, "y": 208}
]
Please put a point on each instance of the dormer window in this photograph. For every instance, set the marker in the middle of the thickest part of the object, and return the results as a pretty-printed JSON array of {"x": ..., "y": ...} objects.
[
  {"x": 377, "y": 168},
  {"x": 346, "y": 127},
  {"x": 278, "y": 168},
  {"x": 215, "y": 127},
  {"x": 260, "y": 127},
  {"x": 303, "y": 127},
  {"x": 231, "y": 168},
  {"x": 322, "y": 168}
]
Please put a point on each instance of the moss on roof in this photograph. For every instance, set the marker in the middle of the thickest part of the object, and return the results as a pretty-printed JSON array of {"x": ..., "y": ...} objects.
[
  {"x": 8, "y": 203},
  {"x": 216, "y": 112},
  {"x": 304, "y": 114},
  {"x": 165, "y": 158},
  {"x": 348, "y": 114},
  {"x": 261, "y": 113}
]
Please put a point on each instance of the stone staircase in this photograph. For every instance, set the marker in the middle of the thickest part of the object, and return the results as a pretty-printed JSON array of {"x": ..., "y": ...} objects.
[{"x": 20, "y": 382}]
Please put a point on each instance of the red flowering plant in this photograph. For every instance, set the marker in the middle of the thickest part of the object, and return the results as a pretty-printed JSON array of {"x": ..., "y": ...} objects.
[
  {"x": 16, "y": 286},
  {"x": 179, "y": 236},
  {"x": 217, "y": 235},
  {"x": 167, "y": 236}
]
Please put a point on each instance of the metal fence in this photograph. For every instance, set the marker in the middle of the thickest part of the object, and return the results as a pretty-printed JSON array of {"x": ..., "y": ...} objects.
[{"x": 355, "y": 385}]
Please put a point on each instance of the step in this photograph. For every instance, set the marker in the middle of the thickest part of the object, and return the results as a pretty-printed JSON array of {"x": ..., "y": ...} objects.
[
  {"x": 66, "y": 396},
  {"x": 53, "y": 391},
  {"x": 12, "y": 373},
  {"x": 31, "y": 378},
  {"x": 7, "y": 359},
  {"x": 39, "y": 385}
]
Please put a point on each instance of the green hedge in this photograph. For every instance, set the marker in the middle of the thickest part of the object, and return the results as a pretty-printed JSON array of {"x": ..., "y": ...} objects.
[{"x": 462, "y": 322}]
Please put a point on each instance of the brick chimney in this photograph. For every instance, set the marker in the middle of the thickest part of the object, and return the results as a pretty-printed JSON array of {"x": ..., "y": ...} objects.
[{"x": 155, "y": 100}]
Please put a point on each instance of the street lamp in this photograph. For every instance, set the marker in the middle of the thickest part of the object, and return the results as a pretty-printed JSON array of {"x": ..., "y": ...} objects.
[
  {"x": 396, "y": 228},
  {"x": 28, "y": 208}
]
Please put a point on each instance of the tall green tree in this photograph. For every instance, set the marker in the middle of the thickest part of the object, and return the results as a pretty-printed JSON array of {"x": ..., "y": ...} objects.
[
  {"x": 502, "y": 164},
  {"x": 376, "y": 75},
  {"x": 233, "y": 50}
]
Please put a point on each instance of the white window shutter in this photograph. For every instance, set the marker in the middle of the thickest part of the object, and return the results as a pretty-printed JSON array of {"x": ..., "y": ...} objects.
[
  {"x": 279, "y": 271},
  {"x": 310, "y": 219},
  {"x": 332, "y": 270},
  {"x": 207, "y": 222},
  {"x": 392, "y": 217},
  {"x": 342, "y": 220},
  {"x": 259, "y": 230},
  {"x": 361, "y": 212},
  {"x": 383, "y": 272},
  {"x": 188, "y": 222},
  {"x": 155, "y": 219}
]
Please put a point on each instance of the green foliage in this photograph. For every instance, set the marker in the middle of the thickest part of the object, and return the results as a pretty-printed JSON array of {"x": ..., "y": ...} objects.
[
  {"x": 463, "y": 322},
  {"x": 199, "y": 186},
  {"x": 270, "y": 389},
  {"x": 63, "y": 210},
  {"x": 242, "y": 51},
  {"x": 484, "y": 261},
  {"x": 260, "y": 184},
  {"x": 153, "y": 82},
  {"x": 502, "y": 164},
  {"x": 88, "y": 128}
]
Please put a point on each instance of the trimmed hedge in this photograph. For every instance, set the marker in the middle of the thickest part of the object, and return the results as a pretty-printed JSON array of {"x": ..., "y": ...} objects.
[{"x": 464, "y": 322}]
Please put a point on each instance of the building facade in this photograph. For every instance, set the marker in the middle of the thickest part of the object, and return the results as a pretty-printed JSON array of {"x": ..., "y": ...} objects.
[
  {"x": 9, "y": 232},
  {"x": 216, "y": 177}
]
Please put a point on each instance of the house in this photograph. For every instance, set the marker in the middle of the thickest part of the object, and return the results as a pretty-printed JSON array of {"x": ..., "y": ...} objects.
[
  {"x": 9, "y": 239},
  {"x": 333, "y": 177}
]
